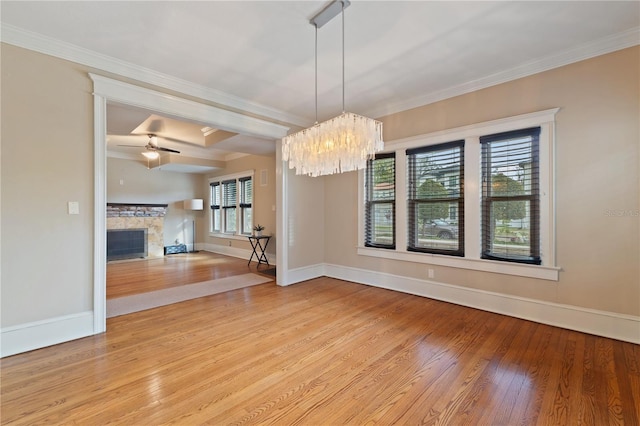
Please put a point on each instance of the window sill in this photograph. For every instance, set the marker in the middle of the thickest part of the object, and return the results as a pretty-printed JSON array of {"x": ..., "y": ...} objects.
[
  {"x": 530, "y": 271},
  {"x": 242, "y": 237}
]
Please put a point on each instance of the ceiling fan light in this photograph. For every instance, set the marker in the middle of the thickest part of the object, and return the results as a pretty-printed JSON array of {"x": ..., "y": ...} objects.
[{"x": 151, "y": 155}]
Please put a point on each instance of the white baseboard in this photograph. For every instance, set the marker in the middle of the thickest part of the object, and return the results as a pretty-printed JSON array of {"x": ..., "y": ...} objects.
[
  {"x": 592, "y": 321},
  {"x": 305, "y": 273},
  {"x": 39, "y": 334},
  {"x": 233, "y": 252}
]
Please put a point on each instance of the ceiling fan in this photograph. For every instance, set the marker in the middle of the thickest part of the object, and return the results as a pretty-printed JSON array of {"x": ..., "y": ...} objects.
[{"x": 152, "y": 148}]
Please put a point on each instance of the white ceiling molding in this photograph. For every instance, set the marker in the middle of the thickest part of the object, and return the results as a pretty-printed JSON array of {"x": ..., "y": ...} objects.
[
  {"x": 129, "y": 94},
  {"x": 49, "y": 46},
  {"x": 590, "y": 50},
  {"x": 36, "y": 42}
]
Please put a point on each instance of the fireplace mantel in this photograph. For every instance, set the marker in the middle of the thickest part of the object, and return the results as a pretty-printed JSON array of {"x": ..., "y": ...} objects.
[{"x": 136, "y": 210}]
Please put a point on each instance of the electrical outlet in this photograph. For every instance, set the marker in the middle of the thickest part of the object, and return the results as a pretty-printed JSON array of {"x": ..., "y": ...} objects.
[{"x": 431, "y": 273}]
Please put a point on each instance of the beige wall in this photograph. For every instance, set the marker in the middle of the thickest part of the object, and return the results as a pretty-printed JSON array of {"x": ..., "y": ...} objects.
[
  {"x": 306, "y": 220},
  {"x": 47, "y": 161},
  {"x": 264, "y": 199},
  {"x": 156, "y": 186},
  {"x": 597, "y": 155}
]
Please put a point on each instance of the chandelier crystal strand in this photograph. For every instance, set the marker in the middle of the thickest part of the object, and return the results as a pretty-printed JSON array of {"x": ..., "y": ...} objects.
[{"x": 341, "y": 144}]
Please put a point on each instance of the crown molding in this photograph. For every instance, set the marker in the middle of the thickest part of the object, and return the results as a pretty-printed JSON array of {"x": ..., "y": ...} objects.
[
  {"x": 586, "y": 51},
  {"x": 49, "y": 46},
  {"x": 32, "y": 41}
]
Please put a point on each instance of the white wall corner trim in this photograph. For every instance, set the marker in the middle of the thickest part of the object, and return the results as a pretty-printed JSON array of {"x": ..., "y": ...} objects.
[
  {"x": 304, "y": 273},
  {"x": 39, "y": 334},
  {"x": 600, "y": 323}
]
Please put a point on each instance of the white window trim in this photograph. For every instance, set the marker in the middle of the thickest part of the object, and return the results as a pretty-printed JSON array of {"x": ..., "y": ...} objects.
[
  {"x": 472, "y": 197},
  {"x": 238, "y": 235}
]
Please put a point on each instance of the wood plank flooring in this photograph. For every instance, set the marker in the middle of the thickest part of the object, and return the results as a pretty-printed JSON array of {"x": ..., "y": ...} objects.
[
  {"x": 126, "y": 278},
  {"x": 324, "y": 352}
]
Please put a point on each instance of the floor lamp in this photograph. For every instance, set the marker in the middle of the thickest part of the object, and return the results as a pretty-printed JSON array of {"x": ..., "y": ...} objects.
[{"x": 194, "y": 205}]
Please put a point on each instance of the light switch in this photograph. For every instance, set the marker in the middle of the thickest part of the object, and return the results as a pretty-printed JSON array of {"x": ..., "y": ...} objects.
[{"x": 73, "y": 207}]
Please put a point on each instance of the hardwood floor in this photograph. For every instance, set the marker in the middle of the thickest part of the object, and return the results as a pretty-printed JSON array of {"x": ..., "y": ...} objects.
[
  {"x": 126, "y": 278},
  {"x": 324, "y": 352}
]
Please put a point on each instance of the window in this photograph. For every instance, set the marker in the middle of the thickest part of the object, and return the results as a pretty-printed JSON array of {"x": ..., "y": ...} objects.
[
  {"x": 231, "y": 204},
  {"x": 246, "y": 195},
  {"x": 436, "y": 199},
  {"x": 380, "y": 202},
  {"x": 229, "y": 197},
  {"x": 510, "y": 196},
  {"x": 215, "y": 207},
  {"x": 494, "y": 186}
]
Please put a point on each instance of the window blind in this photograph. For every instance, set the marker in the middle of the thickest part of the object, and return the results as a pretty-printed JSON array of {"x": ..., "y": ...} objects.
[
  {"x": 229, "y": 194},
  {"x": 246, "y": 191},
  {"x": 246, "y": 197},
  {"x": 511, "y": 196},
  {"x": 436, "y": 199},
  {"x": 215, "y": 195},
  {"x": 380, "y": 197}
]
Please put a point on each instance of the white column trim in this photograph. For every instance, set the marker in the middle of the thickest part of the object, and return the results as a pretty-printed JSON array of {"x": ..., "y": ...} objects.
[
  {"x": 282, "y": 212},
  {"x": 99, "y": 215}
]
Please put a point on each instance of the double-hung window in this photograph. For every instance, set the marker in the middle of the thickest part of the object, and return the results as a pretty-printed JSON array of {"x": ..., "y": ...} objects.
[
  {"x": 246, "y": 196},
  {"x": 229, "y": 198},
  {"x": 511, "y": 196},
  {"x": 232, "y": 204},
  {"x": 436, "y": 199},
  {"x": 477, "y": 197},
  {"x": 380, "y": 197},
  {"x": 215, "y": 207}
]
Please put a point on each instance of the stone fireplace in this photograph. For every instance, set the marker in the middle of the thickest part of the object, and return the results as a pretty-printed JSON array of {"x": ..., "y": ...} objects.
[{"x": 140, "y": 216}]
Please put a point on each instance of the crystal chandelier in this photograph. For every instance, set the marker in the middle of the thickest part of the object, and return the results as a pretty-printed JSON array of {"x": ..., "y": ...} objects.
[{"x": 341, "y": 144}]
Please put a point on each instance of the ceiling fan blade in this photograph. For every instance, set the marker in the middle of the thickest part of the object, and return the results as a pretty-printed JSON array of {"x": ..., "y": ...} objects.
[
  {"x": 170, "y": 139},
  {"x": 159, "y": 148}
]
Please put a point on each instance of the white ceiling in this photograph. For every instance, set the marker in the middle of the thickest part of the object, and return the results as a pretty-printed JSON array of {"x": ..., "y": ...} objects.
[{"x": 257, "y": 57}]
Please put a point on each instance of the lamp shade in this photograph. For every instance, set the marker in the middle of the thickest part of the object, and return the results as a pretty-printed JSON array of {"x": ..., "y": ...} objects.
[{"x": 195, "y": 204}]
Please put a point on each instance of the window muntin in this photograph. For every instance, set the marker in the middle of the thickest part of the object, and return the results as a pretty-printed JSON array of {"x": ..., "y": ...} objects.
[
  {"x": 435, "y": 197},
  {"x": 511, "y": 196},
  {"x": 380, "y": 202}
]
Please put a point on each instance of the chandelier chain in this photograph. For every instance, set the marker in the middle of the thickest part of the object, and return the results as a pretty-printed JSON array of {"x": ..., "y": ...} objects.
[
  {"x": 316, "y": 26},
  {"x": 342, "y": 144},
  {"x": 343, "y": 107}
]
